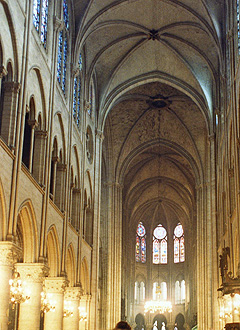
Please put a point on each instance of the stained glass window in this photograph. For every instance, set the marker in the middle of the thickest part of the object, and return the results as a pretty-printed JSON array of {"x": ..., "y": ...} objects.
[
  {"x": 160, "y": 245},
  {"x": 140, "y": 248},
  {"x": 63, "y": 49},
  {"x": 238, "y": 26},
  {"x": 80, "y": 62},
  {"x": 65, "y": 14},
  {"x": 40, "y": 18},
  {"x": 36, "y": 14},
  {"x": 179, "y": 246}
]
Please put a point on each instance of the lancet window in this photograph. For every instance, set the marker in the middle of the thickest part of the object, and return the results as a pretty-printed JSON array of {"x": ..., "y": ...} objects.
[
  {"x": 140, "y": 252},
  {"x": 77, "y": 92},
  {"x": 40, "y": 19},
  {"x": 63, "y": 48}
]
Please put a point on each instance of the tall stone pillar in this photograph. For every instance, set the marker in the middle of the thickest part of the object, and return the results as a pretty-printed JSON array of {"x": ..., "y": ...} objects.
[
  {"x": 56, "y": 287},
  {"x": 85, "y": 307},
  {"x": 8, "y": 255},
  {"x": 72, "y": 296},
  {"x": 32, "y": 276}
]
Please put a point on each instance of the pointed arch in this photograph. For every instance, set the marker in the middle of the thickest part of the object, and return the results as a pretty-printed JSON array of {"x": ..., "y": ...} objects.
[
  {"x": 27, "y": 221},
  {"x": 84, "y": 276},
  {"x": 71, "y": 265},
  {"x": 53, "y": 251}
]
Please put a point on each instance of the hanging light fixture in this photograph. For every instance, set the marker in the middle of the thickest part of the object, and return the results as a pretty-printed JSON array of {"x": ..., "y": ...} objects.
[
  {"x": 82, "y": 314},
  {"x": 46, "y": 304},
  {"x": 68, "y": 309},
  {"x": 17, "y": 292}
]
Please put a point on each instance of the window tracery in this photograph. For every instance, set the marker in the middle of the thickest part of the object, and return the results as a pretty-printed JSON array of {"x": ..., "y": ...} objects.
[
  {"x": 160, "y": 245},
  {"x": 179, "y": 245}
]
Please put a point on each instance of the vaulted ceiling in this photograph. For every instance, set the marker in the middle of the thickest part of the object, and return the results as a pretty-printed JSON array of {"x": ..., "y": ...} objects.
[
  {"x": 128, "y": 41},
  {"x": 157, "y": 65}
]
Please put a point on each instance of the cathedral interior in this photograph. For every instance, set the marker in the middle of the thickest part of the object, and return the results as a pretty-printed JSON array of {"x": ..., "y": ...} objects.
[{"x": 120, "y": 164}]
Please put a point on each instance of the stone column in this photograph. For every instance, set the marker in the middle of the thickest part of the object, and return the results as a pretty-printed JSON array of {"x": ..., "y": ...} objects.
[
  {"x": 8, "y": 255},
  {"x": 38, "y": 169},
  {"x": 72, "y": 296},
  {"x": 85, "y": 307},
  {"x": 32, "y": 276},
  {"x": 55, "y": 286},
  {"x": 10, "y": 95}
]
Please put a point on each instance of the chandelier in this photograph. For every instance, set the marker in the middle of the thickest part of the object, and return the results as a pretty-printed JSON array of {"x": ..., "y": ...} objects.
[
  {"x": 46, "y": 305},
  {"x": 82, "y": 314},
  {"x": 17, "y": 294},
  {"x": 153, "y": 306},
  {"x": 68, "y": 309}
]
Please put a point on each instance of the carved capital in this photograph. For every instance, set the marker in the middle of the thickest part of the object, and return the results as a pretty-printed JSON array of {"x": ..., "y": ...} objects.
[
  {"x": 72, "y": 293},
  {"x": 9, "y": 253},
  {"x": 33, "y": 123},
  {"x": 55, "y": 284},
  {"x": 99, "y": 134},
  {"x": 62, "y": 167},
  {"x": 35, "y": 272},
  {"x": 11, "y": 86},
  {"x": 41, "y": 134},
  {"x": 3, "y": 71}
]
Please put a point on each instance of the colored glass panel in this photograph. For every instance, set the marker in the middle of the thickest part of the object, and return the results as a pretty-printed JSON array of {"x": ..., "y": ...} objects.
[
  {"x": 75, "y": 98},
  {"x": 163, "y": 251},
  {"x": 137, "y": 249},
  {"x": 44, "y": 20},
  {"x": 80, "y": 62},
  {"x": 65, "y": 14},
  {"x": 182, "y": 249},
  {"x": 59, "y": 59},
  {"x": 141, "y": 230},
  {"x": 64, "y": 71},
  {"x": 238, "y": 26},
  {"x": 78, "y": 101},
  {"x": 156, "y": 252},
  {"x": 176, "y": 250},
  {"x": 143, "y": 250},
  {"x": 159, "y": 232},
  {"x": 36, "y": 14},
  {"x": 178, "y": 231}
]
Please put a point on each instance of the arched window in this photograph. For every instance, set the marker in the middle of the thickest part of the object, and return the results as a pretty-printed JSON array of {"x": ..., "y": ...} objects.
[
  {"x": 179, "y": 246},
  {"x": 140, "y": 253},
  {"x": 63, "y": 49},
  {"x": 139, "y": 293},
  {"x": 160, "y": 291},
  {"x": 160, "y": 245},
  {"x": 77, "y": 93},
  {"x": 40, "y": 18},
  {"x": 180, "y": 292}
]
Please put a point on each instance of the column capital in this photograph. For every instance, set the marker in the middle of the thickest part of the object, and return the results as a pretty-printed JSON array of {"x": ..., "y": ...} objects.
[
  {"x": 72, "y": 293},
  {"x": 62, "y": 167},
  {"x": 41, "y": 134},
  {"x": 11, "y": 86},
  {"x": 35, "y": 272},
  {"x": 99, "y": 134},
  {"x": 55, "y": 284},
  {"x": 9, "y": 253},
  {"x": 3, "y": 71}
]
